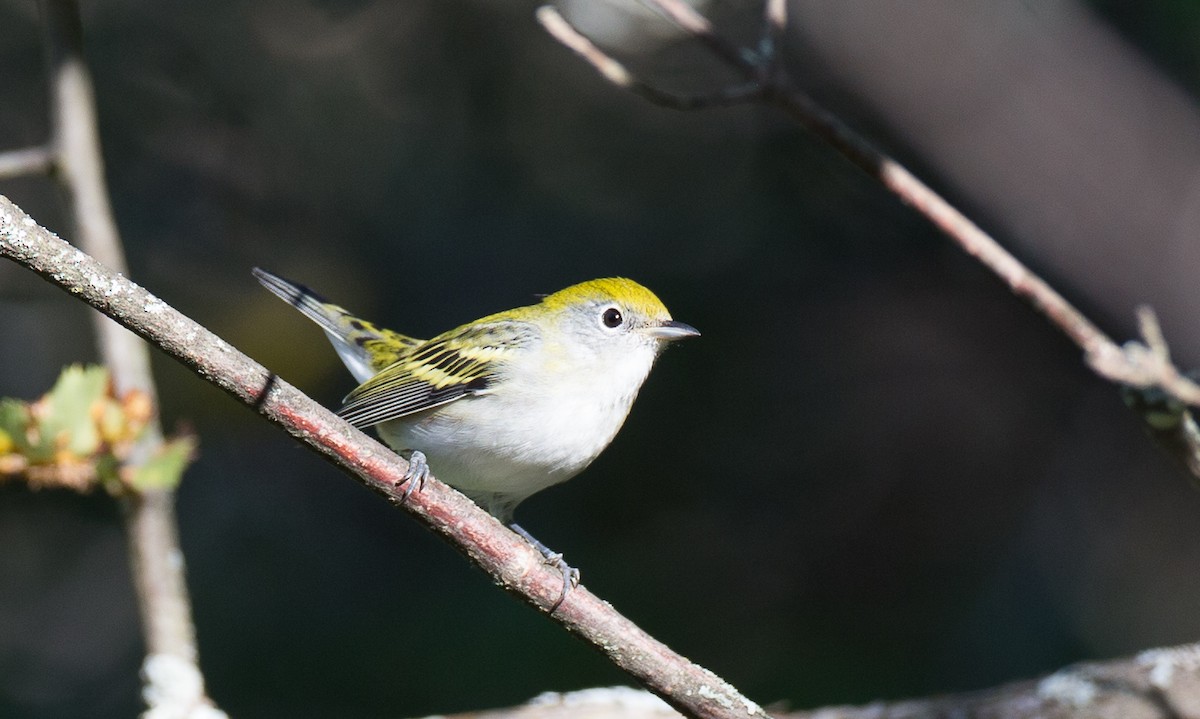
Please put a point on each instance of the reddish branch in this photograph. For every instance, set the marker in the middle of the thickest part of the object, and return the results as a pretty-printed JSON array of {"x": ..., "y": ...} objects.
[{"x": 509, "y": 560}]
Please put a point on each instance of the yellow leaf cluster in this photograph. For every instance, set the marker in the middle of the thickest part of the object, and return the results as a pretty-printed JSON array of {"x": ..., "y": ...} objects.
[{"x": 80, "y": 433}]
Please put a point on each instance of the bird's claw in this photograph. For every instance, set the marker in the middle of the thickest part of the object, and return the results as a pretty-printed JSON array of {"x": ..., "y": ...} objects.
[
  {"x": 555, "y": 559},
  {"x": 570, "y": 575},
  {"x": 551, "y": 558},
  {"x": 418, "y": 472}
]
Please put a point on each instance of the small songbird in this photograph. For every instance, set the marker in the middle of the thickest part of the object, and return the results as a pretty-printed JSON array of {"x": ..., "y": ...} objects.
[{"x": 507, "y": 405}]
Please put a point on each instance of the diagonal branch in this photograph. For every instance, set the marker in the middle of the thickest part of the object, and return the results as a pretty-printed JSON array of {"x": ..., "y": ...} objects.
[
  {"x": 1135, "y": 365},
  {"x": 617, "y": 74},
  {"x": 509, "y": 560}
]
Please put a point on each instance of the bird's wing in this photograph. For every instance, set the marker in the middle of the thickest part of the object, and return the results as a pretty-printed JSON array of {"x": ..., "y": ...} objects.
[{"x": 464, "y": 362}]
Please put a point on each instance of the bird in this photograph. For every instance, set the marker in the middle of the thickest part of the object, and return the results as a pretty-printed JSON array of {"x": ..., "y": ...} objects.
[{"x": 509, "y": 404}]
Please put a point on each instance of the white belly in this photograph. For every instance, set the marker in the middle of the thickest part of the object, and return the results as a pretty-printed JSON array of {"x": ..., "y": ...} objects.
[{"x": 499, "y": 450}]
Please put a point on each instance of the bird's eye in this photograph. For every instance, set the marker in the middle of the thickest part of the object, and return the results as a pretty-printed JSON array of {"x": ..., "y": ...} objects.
[{"x": 611, "y": 318}]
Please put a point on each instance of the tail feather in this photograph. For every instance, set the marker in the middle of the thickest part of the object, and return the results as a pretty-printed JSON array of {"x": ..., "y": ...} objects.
[{"x": 364, "y": 348}]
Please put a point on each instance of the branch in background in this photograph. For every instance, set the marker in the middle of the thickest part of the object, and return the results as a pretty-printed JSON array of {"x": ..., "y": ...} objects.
[
  {"x": 29, "y": 161},
  {"x": 173, "y": 684},
  {"x": 1168, "y": 421},
  {"x": 509, "y": 560},
  {"x": 1157, "y": 684},
  {"x": 1136, "y": 365}
]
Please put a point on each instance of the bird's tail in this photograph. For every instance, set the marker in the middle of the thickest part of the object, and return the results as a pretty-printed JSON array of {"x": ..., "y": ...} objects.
[{"x": 364, "y": 348}]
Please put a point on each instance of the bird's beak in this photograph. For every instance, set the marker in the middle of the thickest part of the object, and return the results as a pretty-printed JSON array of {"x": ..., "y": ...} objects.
[{"x": 672, "y": 330}]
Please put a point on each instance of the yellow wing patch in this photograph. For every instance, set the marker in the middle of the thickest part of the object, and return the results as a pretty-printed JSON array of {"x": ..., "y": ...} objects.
[
  {"x": 461, "y": 363},
  {"x": 382, "y": 347}
]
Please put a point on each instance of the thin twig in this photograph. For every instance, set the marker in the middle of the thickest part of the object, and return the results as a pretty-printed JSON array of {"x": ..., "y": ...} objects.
[
  {"x": 1133, "y": 365},
  {"x": 557, "y": 25},
  {"x": 155, "y": 557},
  {"x": 775, "y": 16},
  {"x": 509, "y": 560},
  {"x": 686, "y": 17},
  {"x": 28, "y": 161},
  {"x": 616, "y": 73}
]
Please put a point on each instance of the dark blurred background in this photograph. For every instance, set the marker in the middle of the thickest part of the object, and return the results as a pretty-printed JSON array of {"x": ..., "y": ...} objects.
[{"x": 877, "y": 474}]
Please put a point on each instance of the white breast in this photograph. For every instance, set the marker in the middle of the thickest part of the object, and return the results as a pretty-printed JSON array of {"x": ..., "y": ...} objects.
[{"x": 502, "y": 446}]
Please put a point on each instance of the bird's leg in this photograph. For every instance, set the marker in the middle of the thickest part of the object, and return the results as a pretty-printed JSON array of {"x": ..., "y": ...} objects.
[
  {"x": 418, "y": 472},
  {"x": 570, "y": 574}
]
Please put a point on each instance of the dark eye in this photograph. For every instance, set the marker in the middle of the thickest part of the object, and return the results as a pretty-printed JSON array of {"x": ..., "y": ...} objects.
[{"x": 611, "y": 317}]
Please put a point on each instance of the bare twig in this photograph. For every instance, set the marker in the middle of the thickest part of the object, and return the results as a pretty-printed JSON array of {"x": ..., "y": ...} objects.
[
  {"x": 1169, "y": 421},
  {"x": 616, "y": 73},
  {"x": 27, "y": 161},
  {"x": 686, "y": 17},
  {"x": 774, "y": 25},
  {"x": 776, "y": 15},
  {"x": 80, "y": 168},
  {"x": 509, "y": 560},
  {"x": 1134, "y": 365},
  {"x": 157, "y": 562}
]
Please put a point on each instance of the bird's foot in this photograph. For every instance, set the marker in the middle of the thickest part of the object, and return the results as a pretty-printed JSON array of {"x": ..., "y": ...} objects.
[
  {"x": 418, "y": 472},
  {"x": 570, "y": 574}
]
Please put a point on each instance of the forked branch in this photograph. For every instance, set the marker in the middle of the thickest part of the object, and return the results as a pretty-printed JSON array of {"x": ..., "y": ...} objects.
[{"x": 1136, "y": 365}]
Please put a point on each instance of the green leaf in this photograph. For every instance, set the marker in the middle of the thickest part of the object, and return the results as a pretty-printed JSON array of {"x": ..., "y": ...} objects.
[
  {"x": 68, "y": 423},
  {"x": 108, "y": 472},
  {"x": 14, "y": 420},
  {"x": 165, "y": 469}
]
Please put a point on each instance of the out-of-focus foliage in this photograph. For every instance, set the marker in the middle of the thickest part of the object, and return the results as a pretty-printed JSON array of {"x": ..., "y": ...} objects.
[{"x": 80, "y": 434}]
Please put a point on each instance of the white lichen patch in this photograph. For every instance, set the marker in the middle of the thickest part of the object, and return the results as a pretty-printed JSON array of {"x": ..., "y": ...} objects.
[
  {"x": 174, "y": 689},
  {"x": 1163, "y": 663},
  {"x": 728, "y": 697},
  {"x": 707, "y": 692},
  {"x": 1068, "y": 687},
  {"x": 17, "y": 237},
  {"x": 621, "y": 700}
]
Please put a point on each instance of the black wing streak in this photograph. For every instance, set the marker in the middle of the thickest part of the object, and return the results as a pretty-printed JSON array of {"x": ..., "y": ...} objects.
[
  {"x": 401, "y": 394},
  {"x": 408, "y": 398}
]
